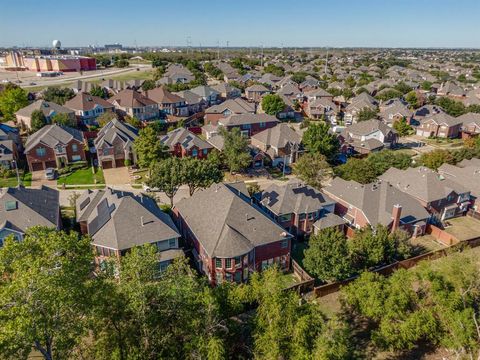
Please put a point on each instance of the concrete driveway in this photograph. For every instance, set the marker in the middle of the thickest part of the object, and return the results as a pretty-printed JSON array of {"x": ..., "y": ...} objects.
[
  {"x": 38, "y": 179},
  {"x": 117, "y": 176}
]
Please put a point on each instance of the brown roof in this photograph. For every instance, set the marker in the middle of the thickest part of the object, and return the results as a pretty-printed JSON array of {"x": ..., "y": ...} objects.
[
  {"x": 131, "y": 99},
  {"x": 84, "y": 101},
  {"x": 162, "y": 96}
]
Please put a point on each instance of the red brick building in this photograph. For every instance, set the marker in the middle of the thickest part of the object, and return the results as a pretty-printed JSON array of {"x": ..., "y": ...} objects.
[{"x": 183, "y": 143}]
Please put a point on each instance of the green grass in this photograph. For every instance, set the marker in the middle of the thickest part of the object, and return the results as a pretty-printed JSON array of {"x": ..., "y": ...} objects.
[
  {"x": 132, "y": 75},
  {"x": 12, "y": 181},
  {"x": 463, "y": 227},
  {"x": 82, "y": 177},
  {"x": 142, "y": 173},
  {"x": 288, "y": 279}
]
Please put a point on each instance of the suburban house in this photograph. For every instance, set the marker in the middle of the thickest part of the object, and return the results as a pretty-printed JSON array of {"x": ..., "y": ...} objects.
[
  {"x": 377, "y": 203},
  {"x": 440, "y": 125},
  {"x": 425, "y": 112},
  {"x": 441, "y": 196},
  {"x": 366, "y": 136},
  {"x": 249, "y": 124},
  {"x": 118, "y": 221},
  {"x": 226, "y": 108},
  {"x": 357, "y": 104},
  {"x": 451, "y": 90},
  {"x": 295, "y": 206},
  {"x": 114, "y": 144},
  {"x": 49, "y": 109},
  {"x": 195, "y": 103},
  {"x": 177, "y": 74},
  {"x": 467, "y": 175},
  {"x": 168, "y": 103},
  {"x": 395, "y": 110},
  {"x": 88, "y": 107},
  {"x": 208, "y": 94},
  {"x": 23, "y": 208},
  {"x": 10, "y": 145},
  {"x": 315, "y": 94},
  {"x": 238, "y": 240},
  {"x": 256, "y": 92},
  {"x": 280, "y": 143},
  {"x": 132, "y": 103},
  {"x": 183, "y": 143},
  {"x": 322, "y": 107},
  {"x": 470, "y": 125},
  {"x": 227, "y": 91},
  {"x": 54, "y": 146}
]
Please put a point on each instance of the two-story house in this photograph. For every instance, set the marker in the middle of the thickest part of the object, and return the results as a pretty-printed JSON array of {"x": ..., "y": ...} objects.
[
  {"x": 249, "y": 124},
  {"x": 88, "y": 108},
  {"x": 114, "y": 144},
  {"x": 48, "y": 108},
  {"x": 227, "y": 108},
  {"x": 208, "y": 94},
  {"x": 168, "y": 103},
  {"x": 470, "y": 125},
  {"x": 441, "y": 196},
  {"x": 234, "y": 238},
  {"x": 118, "y": 221},
  {"x": 227, "y": 91},
  {"x": 440, "y": 125},
  {"x": 183, "y": 143},
  {"x": 132, "y": 103},
  {"x": 295, "y": 206},
  {"x": 256, "y": 92},
  {"x": 22, "y": 208},
  {"x": 54, "y": 146}
]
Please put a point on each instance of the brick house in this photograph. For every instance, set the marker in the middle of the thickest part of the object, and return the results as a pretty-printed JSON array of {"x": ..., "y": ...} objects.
[
  {"x": 256, "y": 92},
  {"x": 49, "y": 110},
  {"x": 118, "y": 221},
  {"x": 440, "y": 125},
  {"x": 227, "y": 108},
  {"x": 377, "y": 203},
  {"x": 183, "y": 143},
  {"x": 249, "y": 124},
  {"x": 168, "y": 103},
  {"x": 234, "y": 238},
  {"x": 441, "y": 196},
  {"x": 88, "y": 108},
  {"x": 54, "y": 146},
  {"x": 470, "y": 125},
  {"x": 295, "y": 206},
  {"x": 132, "y": 103},
  {"x": 114, "y": 144}
]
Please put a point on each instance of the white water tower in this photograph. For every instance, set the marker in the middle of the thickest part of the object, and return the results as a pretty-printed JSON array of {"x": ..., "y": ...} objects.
[{"x": 56, "y": 44}]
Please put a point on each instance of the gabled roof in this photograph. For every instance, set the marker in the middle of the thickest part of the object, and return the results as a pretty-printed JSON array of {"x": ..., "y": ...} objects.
[
  {"x": 32, "y": 207},
  {"x": 185, "y": 138},
  {"x": 367, "y": 127},
  {"x": 190, "y": 97},
  {"x": 257, "y": 88},
  {"x": 294, "y": 197},
  {"x": 442, "y": 119},
  {"x": 52, "y": 135},
  {"x": 236, "y": 106},
  {"x": 470, "y": 118},
  {"x": 84, "y": 102},
  {"x": 116, "y": 129},
  {"x": 236, "y": 228},
  {"x": 160, "y": 95},
  {"x": 318, "y": 93},
  {"x": 468, "y": 176},
  {"x": 48, "y": 108},
  {"x": 422, "y": 183},
  {"x": 204, "y": 91},
  {"x": 224, "y": 87},
  {"x": 241, "y": 119},
  {"x": 129, "y": 98},
  {"x": 376, "y": 200},
  {"x": 278, "y": 136},
  {"x": 120, "y": 220}
]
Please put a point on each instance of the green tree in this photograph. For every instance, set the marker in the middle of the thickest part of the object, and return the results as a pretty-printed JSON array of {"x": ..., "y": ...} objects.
[
  {"x": 62, "y": 119},
  {"x": 357, "y": 170},
  {"x": 12, "y": 100},
  {"x": 402, "y": 127},
  {"x": 318, "y": 139},
  {"x": 235, "y": 150},
  {"x": 275, "y": 70},
  {"x": 148, "y": 148},
  {"x": 451, "y": 107},
  {"x": 148, "y": 85},
  {"x": 367, "y": 114},
  {"x": 199, "y": 173},
  {"x": 327, "y": 256},
  {"x": 166, "y": 175},
  {"x": 272, "y": 104},
  {"x": 312, "y": 168},
  {"x": 121, "y": 63},
  {"x": 426, "y": 85},
  {"x": 133, "y": 120},
  {"x": 45, "y": 293},
  {"x": 58, "y": 95},
  {"x": 105, "y": 118},
  {"x": 98, "y": 91},
  {"x": 37, "y": 120},
  {"x": 350, "y": 82},
  {"x": 436, "y": 158},
  {"x": 412, "y": 99},
  {"x": 383, "y": 160}
]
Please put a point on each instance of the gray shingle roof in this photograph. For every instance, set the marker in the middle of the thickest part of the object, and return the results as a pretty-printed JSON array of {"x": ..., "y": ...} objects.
[
  {"x": 116, "y": 129},
  {"x": 278, "y": 136},
  {"x": 242, "y": 119},
  {"x": 46, "y": 107},
  {"x": 185, "y": 138},
  {"x": 52, "y": 135},
  {"x": 231, "y": 226},
  {"x": 236, "y": 106}
]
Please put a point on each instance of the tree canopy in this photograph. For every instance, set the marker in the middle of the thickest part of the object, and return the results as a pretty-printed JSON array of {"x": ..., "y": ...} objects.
[
  {"x": 236, "y": 154},
  {"x": 11, "y": 100},
  {"x": 272, "y": 104},
  {"x": 312, "y": 168},
  {"x": 318, "y": 139},
  {"x": 148, "y": 147}
]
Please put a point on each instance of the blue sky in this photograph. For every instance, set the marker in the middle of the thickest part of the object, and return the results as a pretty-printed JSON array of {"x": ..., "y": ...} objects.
[{"x": 336, "y": 23}]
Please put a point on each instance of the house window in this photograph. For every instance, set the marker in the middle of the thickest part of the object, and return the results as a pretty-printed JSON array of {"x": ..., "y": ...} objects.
[
  {"x": 228, "y": 277},
  {"x": 284, "y": 244},
  {"x": 218, "y": 263},
  {"x": 238, "y": 262},
  {"x": 163, "y": 266},
  {"x": 10, "y": 205},
  {"x": 205, "y": 151},
  {"x": 238, "y": 276},
  {"x": 301, "y": 217},
  {"x": 172, "y": 243},
  {"x": 286, "y": 217},
  {"x": 194, "y": 152},
  {"x": 246, "y": 126},
  {"x": 262, "y": 124},
  {"x": 41, "y": 151},
  {"x": 74, "y": 147},
  {"x": 218, "y": 277},
  {"x": 105, "y": 151},
  {"x": 76, "y": 158},
  {"x": 245, "y": 273},
  {"x": 228, "y": 263},
  {"x": 264, "y": 264}
]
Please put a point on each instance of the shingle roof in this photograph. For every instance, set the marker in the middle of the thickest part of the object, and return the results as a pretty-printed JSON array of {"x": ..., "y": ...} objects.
[
  {"x": 120, "y": 220},
  {"x": 368, "y": 127},
  {"x": 294, "y": 197},
  {"x": 278, "y": 136},
  {"x": 185, "y": 138},
  {"x": 376, "y": 200},
  {"x": 131, "y": 99},
  {"x": 48, "y": 109},
  {"x": 468, "y": 176},
  {"x": 443, "y": 118},
  {"x": 84, "y": 102},
  {"x": 240, "y": 119},
  {"x": 116, "y": 129},
  {"x": 162, "y": 96},
  {"x": 236, "y": 106},
  {"x": 236, "y": 227},
  {"x": 52, "y": 135}
]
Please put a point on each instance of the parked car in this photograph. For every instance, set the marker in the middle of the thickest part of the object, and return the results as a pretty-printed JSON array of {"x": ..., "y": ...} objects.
[
  {"x": 149, "y": 189},
  {"x": 287, "y": 170},
  {"x": 50, "y": 174}
]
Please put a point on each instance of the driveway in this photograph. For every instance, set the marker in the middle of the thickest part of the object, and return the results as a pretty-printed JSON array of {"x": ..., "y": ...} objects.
[
  {"x": 117, "y": 176},
  {"x": 38, "y": 179}
]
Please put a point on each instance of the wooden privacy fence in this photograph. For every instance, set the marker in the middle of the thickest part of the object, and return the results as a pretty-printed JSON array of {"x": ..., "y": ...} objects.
[{"x": 306, "y": 283}]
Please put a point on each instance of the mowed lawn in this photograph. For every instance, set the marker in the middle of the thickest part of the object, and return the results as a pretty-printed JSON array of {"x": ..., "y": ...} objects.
[
  {"x": 464, "y": 228},
  {"x": 82, "y": 177},
  {"x": 13, "y": 182}
]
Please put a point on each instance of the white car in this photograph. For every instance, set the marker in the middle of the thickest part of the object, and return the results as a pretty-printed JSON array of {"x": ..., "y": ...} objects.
[
  {"x": 50, "y": 174},
  {"x": 149, "y": 189}
]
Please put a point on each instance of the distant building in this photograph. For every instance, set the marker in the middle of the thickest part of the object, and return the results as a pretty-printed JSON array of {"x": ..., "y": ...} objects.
[{"x": 44, "y": 63}]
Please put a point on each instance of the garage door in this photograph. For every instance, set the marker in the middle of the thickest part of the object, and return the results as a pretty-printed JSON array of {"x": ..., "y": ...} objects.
[
  {"x": 37, "y": 166},
  {"x": 119, "y": 162},
  {"x": 107, "y": 164},
  {"x": 50, "y": 164}
]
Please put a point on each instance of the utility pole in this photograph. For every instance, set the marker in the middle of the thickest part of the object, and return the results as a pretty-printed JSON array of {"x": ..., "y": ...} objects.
[
  {"x": 261, "y": 60},
  {"x": 326, "y": 63},
  {"x": 218, "y": 50}
]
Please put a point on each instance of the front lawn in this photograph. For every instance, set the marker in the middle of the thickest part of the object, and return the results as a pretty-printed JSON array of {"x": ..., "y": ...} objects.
[
  {"x": 12, "y": 181},
  {"x": 83, "y": 176}
]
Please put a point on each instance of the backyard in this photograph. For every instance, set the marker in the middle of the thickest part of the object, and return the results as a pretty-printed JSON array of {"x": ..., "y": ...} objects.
[{"x": 463, "y": 228}]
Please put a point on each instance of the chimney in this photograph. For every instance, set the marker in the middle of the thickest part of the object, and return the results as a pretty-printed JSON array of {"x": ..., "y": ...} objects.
[{"x": 396, "y": 214}]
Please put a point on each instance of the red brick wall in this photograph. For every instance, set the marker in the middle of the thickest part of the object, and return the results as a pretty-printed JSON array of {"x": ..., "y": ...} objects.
[{"x": 269, "y": 251}]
